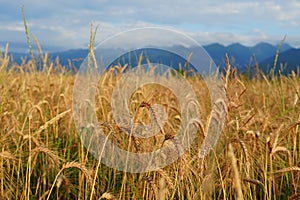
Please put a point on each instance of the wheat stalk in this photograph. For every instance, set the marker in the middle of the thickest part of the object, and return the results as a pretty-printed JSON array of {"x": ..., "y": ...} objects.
[
  {"x": 167, "y": 178},
  {"x": 253, "y": 181},
  {"x": 294, "y": 197},
  {"x": 288, "y": 169},
  {"x": 54, "y": 158},
  {"x": 152, "y": 185},
  {"x": 7, "y": 155},
  {"x": 52, "y": 121},
  {"x": 81, "y": 167},
  {"x": 107, "y": 195},
  {"x": 237, "y": 180}
]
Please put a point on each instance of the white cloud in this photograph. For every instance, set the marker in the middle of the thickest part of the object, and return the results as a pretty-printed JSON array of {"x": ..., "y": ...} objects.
[
  {"x": 66, "y": 23},
  {"x": 12, "y": 27}
]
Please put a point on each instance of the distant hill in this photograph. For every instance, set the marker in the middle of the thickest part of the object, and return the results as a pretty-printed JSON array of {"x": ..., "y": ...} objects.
[
  {"x": 262, "y": 49},
  {"x": 75, "y": 56},
  {"x": 241, "y": 57},
  {"x": 217, "y": 52},
  {"x": 287, "y": 61}
]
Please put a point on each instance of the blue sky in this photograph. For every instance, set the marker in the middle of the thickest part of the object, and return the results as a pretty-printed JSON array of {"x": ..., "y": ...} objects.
[{"x": 65, "y": 24}]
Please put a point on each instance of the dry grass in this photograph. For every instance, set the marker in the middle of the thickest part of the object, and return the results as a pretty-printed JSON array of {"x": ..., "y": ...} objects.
[{"x": 42, "y": 157}]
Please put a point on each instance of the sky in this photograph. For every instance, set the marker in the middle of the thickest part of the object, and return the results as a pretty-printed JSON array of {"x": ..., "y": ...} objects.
[{"x": 66, "y": 24}]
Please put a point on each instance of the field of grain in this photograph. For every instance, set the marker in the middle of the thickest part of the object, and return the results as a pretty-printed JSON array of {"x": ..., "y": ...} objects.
[{"x": 42, "y": 156}]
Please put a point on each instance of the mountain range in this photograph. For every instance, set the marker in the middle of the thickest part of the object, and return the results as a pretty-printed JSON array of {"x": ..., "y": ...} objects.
[{"x": 241, "y": 57}]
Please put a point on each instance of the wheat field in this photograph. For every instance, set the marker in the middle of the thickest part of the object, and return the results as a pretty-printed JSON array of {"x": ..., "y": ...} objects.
[{"x": 42, "y": 156}]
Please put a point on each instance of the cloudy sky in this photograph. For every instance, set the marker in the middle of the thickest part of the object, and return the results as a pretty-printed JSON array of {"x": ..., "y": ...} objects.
[{"x": 65, "y": 24}]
